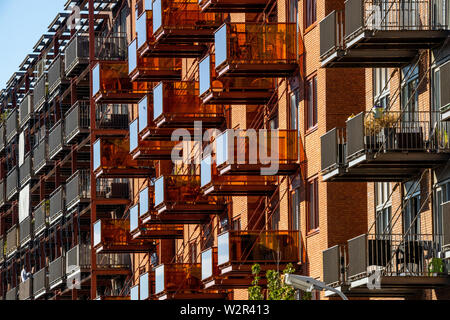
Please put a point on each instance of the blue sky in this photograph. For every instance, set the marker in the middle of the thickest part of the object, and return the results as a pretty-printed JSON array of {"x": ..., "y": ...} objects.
[{"x": 22, "y": 22}]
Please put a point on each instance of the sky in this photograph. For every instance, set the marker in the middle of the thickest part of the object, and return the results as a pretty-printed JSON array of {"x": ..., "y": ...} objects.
[{"x": 22, "y": 22}]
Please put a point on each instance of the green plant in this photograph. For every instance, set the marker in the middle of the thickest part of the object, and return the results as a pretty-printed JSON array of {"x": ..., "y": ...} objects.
[
  {"x": 255, "y": 291},
  {"x": 436, "y": 266},
  {"x": 276, "y": 288},
  {"x": 373, "y": 124}
]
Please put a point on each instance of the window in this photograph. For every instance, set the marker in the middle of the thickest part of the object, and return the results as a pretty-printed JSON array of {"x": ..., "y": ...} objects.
[
  {"x": 310, "y": 12},
  {"x": 411, "y": 212},
  {"x": 313, "y": 204},
  {"x": 383, "y": 208},
  {"x": 193, "y": 252},
  {"x": 311, "y": 102},
  {"x": 442, "y": 195},
  {"x": 293, "y": 106},
  {"x": 409, "y": 94},
  {"x": 380, "y": 78},
  {"x": 237, "y": 224},
  {"x": 273, "y": 123},
  {"x": 295, "y": 209}
]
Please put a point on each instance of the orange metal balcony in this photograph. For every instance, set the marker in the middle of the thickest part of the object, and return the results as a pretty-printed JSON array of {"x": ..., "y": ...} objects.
[
  {"x": 262, "y": 152},
  {"x": 232, "y": 90},
  {"x": 180, "y": 194},
  {"x": 113, "y": 236},
  {"x": 177, "y": 104},
  {"x": 111, "y": 83},
  {"x": 148, "y": 47},
  {"x": 256, "y": 49},
  {"x": 181, "y": 281},
  {"x": 151, "y": 68},
  {"x": 148, "y": 149},
  {"x": 146, "y": 126},
  {"x": 182, "y": 22},
  {"x": 226, "y": 6},
  {"x": 238, "y": 250},
  {"x": 113, "y": 160},
  {"x": 152, "y": 229},
  {"x": 233, "y": 185}
]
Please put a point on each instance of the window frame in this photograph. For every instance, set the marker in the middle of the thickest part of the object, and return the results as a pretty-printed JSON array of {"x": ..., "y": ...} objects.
[
  {"x": 311, "y": 82},
  {"x": 310, "y": 13},
  {"x": 314, "y": 226}
]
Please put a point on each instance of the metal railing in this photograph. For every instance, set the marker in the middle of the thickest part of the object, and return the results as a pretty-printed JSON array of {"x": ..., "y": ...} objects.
[
  {"x": 56, "y": 272},
  {"x": 112, "y": 116},
  {"x": 26, "y": 289},
  {"x": 2, "y": 136},
  {"x": 26, "y": 170},
  {"x": 55, "y": 73},
  {"x": 332, "y": 33},
  {"x": 25, "y": 230},
  {"x": 26, "y": 109},
  {"x": 40, "y": 155},
  {"x": 334, "y": 265},
  {"x": 11, "y": 125},
  {"x": 76, "y": 119},
  {"x": 55, "y": 140},
  {"x": 78, "y": 258},
  {"x": 40, "y": 282},
  {"x": 112, "y": 189},
  {"x": 41, "y": 216},
  {"x": 11, "y": 294},
  {"x": 12, "y": 240},
  {"x": 56, "y": 204},
  {"x": 78, "y": 187},
  {"x": 332, "y": 148},
  {"x": 40, "y": 92},
  {"x": 2, "y": 192},
  {"x": 12, "y": 183}
]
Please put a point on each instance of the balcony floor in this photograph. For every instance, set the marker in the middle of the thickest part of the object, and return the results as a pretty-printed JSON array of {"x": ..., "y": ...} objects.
[
  {"x": 231, "y": 69},
  {"x": 172, "y": 50},
  {"x": 140, "y": 75},
  {"x": 218, "y": 189},
  {"x": 255, "y": 169},
  {"x": 125, "y": 173},
  {"x": 250, "y": 97},
  {"x": 247, "y": 6},
  {"x": 200, "y": 209}
]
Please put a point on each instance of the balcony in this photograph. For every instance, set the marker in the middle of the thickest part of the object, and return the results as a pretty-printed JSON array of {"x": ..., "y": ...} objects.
[
  {"x": 149, "y": 149},
  {"x": 213, "y": 184},
  {"x": 182, "y": 22},
  {"x": 152, "y": 229},
  {"x": 12, "y": 241},
  {"x": 12, "y": 184},
  {"x": 177, "y": 104},
  {"x": 399, "y": 264},
  {"x": 41, "y": 213},
  {"x": 2, "y": 193},
  {"x": 152, "y": 68},
  {"x": 40, "y": 283},
  {"x": 256, "y": 49},
  {"x": 235, "y": 90},
  {"x": 56, "y": 204},
  {"x": 56, "y": 272},
  {"x": 112, "y": 192},
  {"x": 179, "y": 194},
  {"x": 113, "y": 236},
  {"x": 26, "y": 289},
  {"x": 25, "y": 231},
  {"x": 386, "y": 34},
  {"x": 76, "y": 122},
  {"x": 56, "y": 141},
  {"x": 76, "y": 55},
  {"x": 180, "y": 281},
  {"x": 444, "y": 71},
  {"x": 2, "y": 137},
  {"x": 26, "y": 170},
  {"x": 111, "y": 84},
  {"x": 78, "y": 260},
  {"x": 56, "y": 77},
  {"x": 12, "y": 124},
  {"x": 26, "y": 109},
  {"x": 238, "y": 250},
  {"x": 266, "y": 152},
  {"x": 41, "y": 159},
  {"x": 112, "y": 119},
  {"x": 113, "y": 160},
  {"x": 392, "y": 146},
  {"x": 40, "y": 93},
  {"x": 147, "y": 129},
  {"x": 225, "y": 6},
  {"x": 78, "y": 189},
  {"x": 12, "y": 294}
]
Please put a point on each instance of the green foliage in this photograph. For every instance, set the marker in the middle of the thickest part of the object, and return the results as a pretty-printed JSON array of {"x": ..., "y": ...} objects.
[
  {"x": 306, "y": 296},
  {"x": 276, "y": 288}
]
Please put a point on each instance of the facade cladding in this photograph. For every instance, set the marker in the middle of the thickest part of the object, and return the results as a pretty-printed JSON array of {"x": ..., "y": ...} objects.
[{"x": 348, "y": 102}]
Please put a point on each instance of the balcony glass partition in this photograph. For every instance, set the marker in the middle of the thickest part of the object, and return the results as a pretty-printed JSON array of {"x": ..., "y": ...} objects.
[
  {"x": 134, "y": 292},
  {"x": 177, "y": 277},
  {"x": 134, "y": 217},
  {"x": 144, "y": 203},
  {"x": 144, "y": 290},
  {"x": 143, "y": 114}
]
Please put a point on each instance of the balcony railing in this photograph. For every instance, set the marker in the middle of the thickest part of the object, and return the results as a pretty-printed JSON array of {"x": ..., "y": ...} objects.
[
  {"x": 12, "y": 124},
  {"x": 177, "y": 278},
  {"x": 149, "y": 149},
  {"x": 26, "y": 170},
  {"x": 11, "y": 294},
  {"x": 76, "y": 54},
  {"x": 2, "y": 193},
  {"x": 444, "y": 71},
  {"x": 40, "y": 93},
  {"x": 112, "y": 159},
  {"x": 111, "y": 83},
  {"x": 40, "y": 283},
  {"x": 2, "y": 136},
  {"x": 56, "y": 272},
  {"x": 262, "y": 152},
  {"x": 146, "y": 283},
  {"x": 12, "y": 183},
  {"x": 399, "y": 143},
  {"x": 334, "y": 265},
  {"x": 12, "y": 241},
  {"x": 57, "y": 204},
  {"x": 177, "y": 104},
  {"x": 235, "y": 90},
  {"x": 41, "y": 213},
  {"x": 56, "y": 74},
  {"x": 113, "y": 235},
  {"x": 2, "y": 249},
  {"x": 25, "y": 231},
  {"x": 256, "y": 49},
  {"x": 393, "y": 31},
  {"x": 180, "y": 194},
  {"x": 182, "y": 22},
  {"x": 76, "y": 121},
  {"x": 247, "y": 6},
  {"x": 209, "y": 264},
  {"x": 26, "y": 109},
  {"x": 239, "y": 185},
  {"x": 55, "y": 140},
  {"x": 134, "y": 292},
  {"x": 113, "y": 189},
  {"x": 41, "y": 158},
  {"x": 78, "y": 188},
  {"x": 26, "y": 289},
  {"x": 152, "y": 68},
  {"x": 110, "y": 116},
  {"x": 78, "y": 259},
  {"x": 263, "y": 247}
]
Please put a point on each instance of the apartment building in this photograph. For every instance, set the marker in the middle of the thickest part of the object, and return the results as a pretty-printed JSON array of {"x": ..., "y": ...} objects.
[{"x": 346, "y": 100}]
